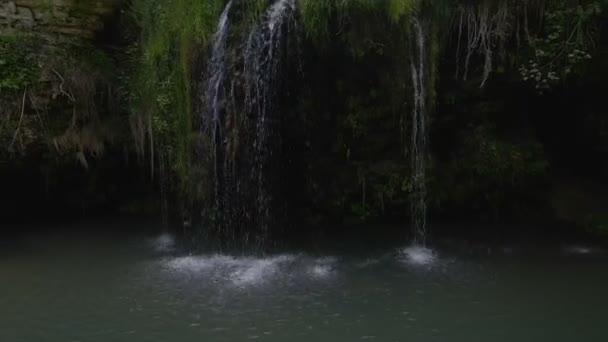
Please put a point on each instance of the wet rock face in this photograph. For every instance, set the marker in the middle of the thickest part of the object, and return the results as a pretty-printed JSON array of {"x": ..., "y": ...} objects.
[{"x": 56, "y": 20}]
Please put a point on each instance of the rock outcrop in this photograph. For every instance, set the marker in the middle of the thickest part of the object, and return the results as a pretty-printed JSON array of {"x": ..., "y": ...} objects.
[{"x": 56, "y": 20}]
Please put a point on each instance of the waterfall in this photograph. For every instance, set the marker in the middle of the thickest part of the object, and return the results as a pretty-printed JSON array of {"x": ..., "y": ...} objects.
[
  {"x": 241, "y": 123},
  {"x": 420, "y": 79},
  {"x": 265, "y": 59},
  {"x": 214, "y": 97}
]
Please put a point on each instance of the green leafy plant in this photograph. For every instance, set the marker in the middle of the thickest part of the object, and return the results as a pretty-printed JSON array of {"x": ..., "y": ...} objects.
[{"x": 566, "y": 42}]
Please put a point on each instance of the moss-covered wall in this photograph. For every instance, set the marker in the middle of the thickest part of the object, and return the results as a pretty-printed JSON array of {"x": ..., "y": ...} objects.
[
  {"x": 56, "y": 19},
  {"x": 347, "y": 122},
  {"x": 53, "y": 69},
  {"x": 63, "y": 128}
]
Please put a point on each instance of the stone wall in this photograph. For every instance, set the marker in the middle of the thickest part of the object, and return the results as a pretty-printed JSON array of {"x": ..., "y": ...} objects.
[{"x": 74, "y": 20}]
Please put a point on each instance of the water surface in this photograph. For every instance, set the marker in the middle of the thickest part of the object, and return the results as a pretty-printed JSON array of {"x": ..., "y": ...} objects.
[{"x": 118, "y": 286}]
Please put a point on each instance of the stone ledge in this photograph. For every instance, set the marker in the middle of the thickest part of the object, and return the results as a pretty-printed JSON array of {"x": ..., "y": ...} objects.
[{"x": 80, "y": 19}]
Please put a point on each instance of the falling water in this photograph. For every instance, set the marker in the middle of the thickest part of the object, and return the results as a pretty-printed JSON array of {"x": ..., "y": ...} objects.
[
  {"x": 214, "y": 96},
  {"x": 242, "y": 123},
  {"x": 420, "y": 76},
  {"x": 265, "y": 59}
]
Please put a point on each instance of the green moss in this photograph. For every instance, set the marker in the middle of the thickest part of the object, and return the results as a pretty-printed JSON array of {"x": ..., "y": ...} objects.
[
  {"x": 397, "y": 9},
  {"x": 315, "y": 17},
  {"x": 173, "y": 36},
  {"x": 318, "y": 14},
  {"x": 55, "y": 101},
  {"x": 18, "y": 66},
  {"x": 363, "y": 38},
  {"x": 255, "y": 8}
]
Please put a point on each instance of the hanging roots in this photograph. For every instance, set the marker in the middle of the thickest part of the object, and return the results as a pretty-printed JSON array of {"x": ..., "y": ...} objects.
[{"x": 484, "y": 27}]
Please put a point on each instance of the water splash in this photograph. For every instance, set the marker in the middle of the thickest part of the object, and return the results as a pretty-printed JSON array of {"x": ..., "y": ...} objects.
[
  {"x": 323, "y": 267},
  {"x": 238, "y": 271},
  {"x": 258, "y": 271},
  {"x": 243, "y": 272},
  {"x": 418, "y": 255},
  {"x": 420, "y": 80}
]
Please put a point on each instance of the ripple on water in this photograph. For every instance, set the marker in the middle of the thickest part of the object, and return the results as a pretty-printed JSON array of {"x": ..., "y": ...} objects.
[{"x": 368, "y": 263}]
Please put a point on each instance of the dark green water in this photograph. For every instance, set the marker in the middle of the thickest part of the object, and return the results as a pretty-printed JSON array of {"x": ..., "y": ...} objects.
[{"x": 137, "y": 287}]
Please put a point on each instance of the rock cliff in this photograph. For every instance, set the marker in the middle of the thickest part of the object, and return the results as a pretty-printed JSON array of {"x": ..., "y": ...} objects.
[{"x": 56, "y": 20}]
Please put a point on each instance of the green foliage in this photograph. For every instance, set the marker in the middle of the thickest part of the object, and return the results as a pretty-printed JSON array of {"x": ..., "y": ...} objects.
[
  {"x": 18, "y": 65},
  {"x": 255, "y": 8},
  {"x": 398, "y": 9},
  {"x": 173, "y": 34},
  {"x": 491, "y": 174},
  {"x": 366, "y": 44},
  {"x": 565, "y": 43},
  {"x": 48, "y": 91},
  {"x": 317, "y": 15},
  {"x": 595, "y": 225},
  {"x": 504, "y": 163}
]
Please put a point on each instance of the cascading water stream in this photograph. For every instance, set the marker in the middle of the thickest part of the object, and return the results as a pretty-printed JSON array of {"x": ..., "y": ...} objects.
[
  {"x": 265, "y": 53},
  {"x": 242, "y": 119},
  {"x": 213, "y": 97},
  {"x": 418, "y": 59},
  {"x": 245, "y": 188}
]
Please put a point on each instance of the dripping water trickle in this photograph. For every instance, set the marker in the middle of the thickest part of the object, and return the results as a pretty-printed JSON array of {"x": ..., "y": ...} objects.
[{"x": 418, "y": 61}]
